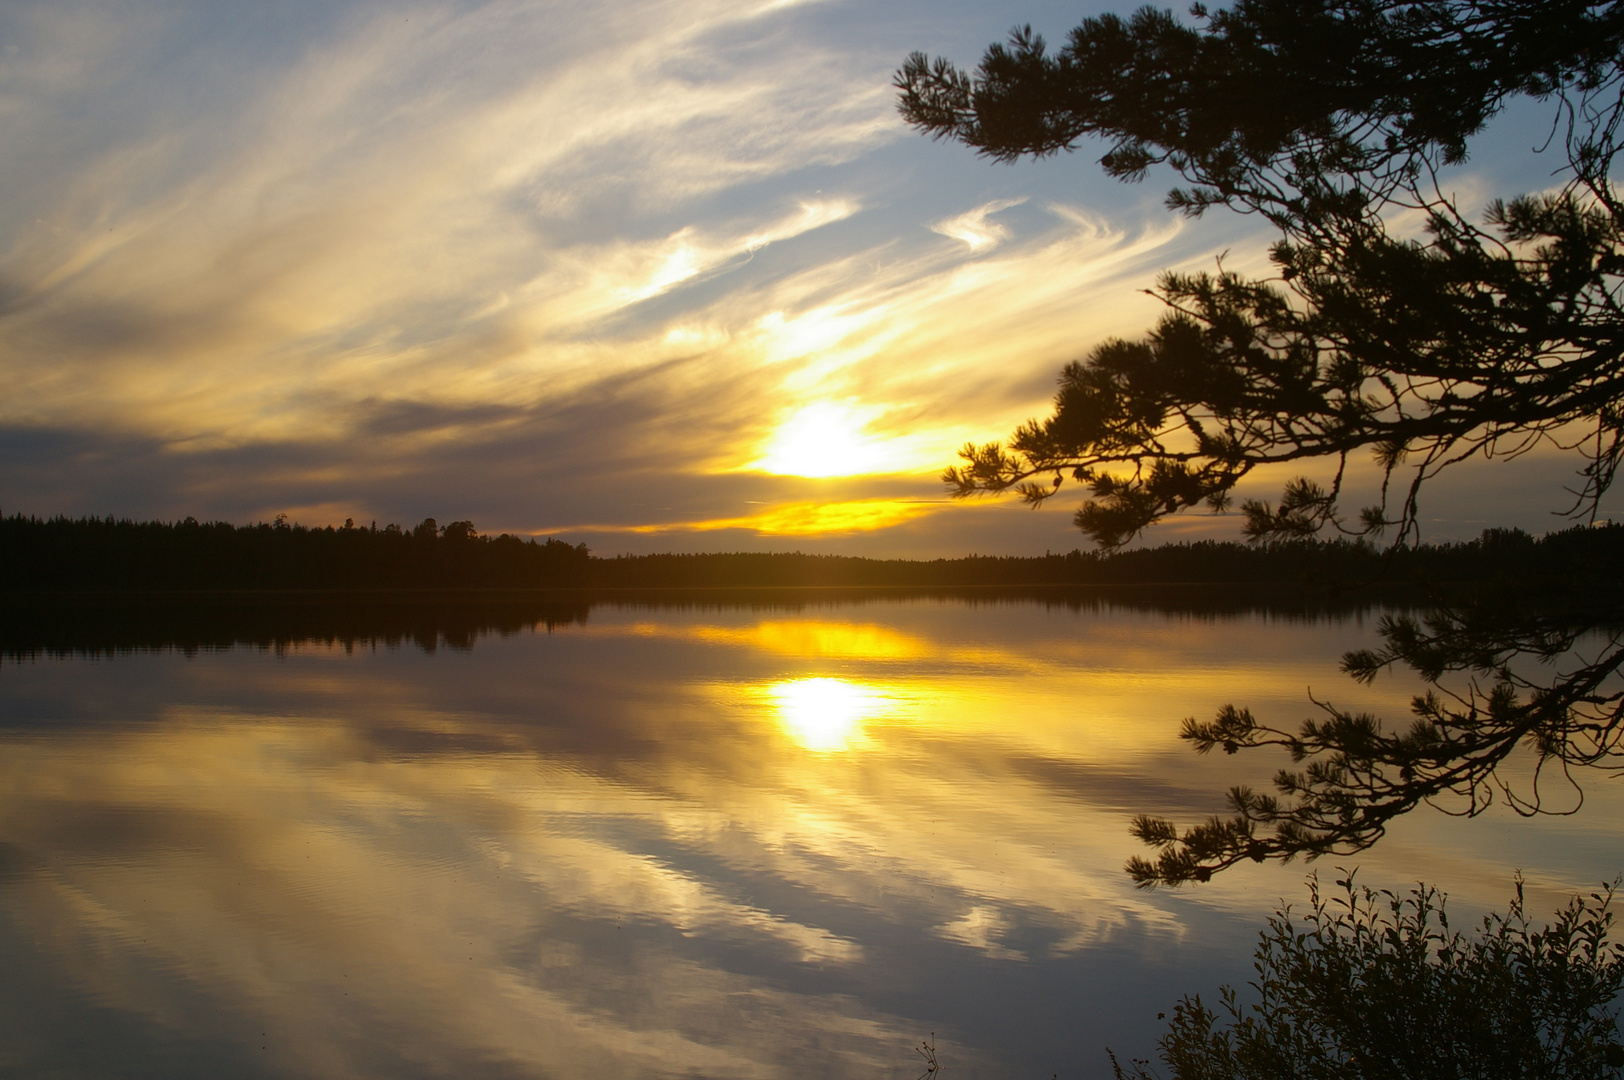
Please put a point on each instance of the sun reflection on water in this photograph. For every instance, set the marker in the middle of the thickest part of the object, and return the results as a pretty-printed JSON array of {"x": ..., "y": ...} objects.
[
  {"x": 413, "y": 862},
  {"x": 827, "y": 714}
]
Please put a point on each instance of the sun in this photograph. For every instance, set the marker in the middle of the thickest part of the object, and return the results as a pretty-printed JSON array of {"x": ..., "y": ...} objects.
[{"x": 824, "y": 439}]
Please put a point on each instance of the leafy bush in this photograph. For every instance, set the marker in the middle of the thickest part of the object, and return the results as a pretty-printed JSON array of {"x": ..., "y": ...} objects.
[{"x": 1374, "y": 985}]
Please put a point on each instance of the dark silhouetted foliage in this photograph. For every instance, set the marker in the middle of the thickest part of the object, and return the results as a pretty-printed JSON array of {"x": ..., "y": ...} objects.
[
  {"x": 1374, "y": 986},
  {"x": 1512, "y": 679},
  {"x": 1421, "y": 346},
  {"x": 1524, "y": 657},
  {"x": 119, "y": 554},
  {"x": 1424, "y": 343},
  {"x": 104, "y": 554}
]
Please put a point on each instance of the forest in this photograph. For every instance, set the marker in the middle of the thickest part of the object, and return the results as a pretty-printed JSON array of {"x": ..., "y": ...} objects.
[{"x": 103, "y": 555}]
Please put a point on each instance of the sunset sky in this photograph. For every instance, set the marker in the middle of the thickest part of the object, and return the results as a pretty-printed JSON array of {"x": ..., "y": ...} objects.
[{"x": 645, "y": 274}]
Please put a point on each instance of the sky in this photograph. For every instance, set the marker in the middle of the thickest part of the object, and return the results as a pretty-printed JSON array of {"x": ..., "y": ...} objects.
[{"x": 648, "y": 275}]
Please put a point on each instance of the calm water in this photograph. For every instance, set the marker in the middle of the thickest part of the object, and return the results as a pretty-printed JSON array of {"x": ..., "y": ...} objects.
[{"x": 725, "y": 842}]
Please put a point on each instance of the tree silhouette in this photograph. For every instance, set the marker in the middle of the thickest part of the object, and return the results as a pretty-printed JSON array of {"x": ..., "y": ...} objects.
[
  {"x": 1395, "y": 324},
  {"x": 1423, "y": 347},
  {"x": 1374, "y": 985},
  {"x": 1539, "y": 653}
]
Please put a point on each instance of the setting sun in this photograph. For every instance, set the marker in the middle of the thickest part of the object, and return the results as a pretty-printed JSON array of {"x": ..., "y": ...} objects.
[{"x": 824, "y": 439}]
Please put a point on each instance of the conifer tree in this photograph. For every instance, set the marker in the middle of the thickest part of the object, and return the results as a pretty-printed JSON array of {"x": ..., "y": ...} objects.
[
  {"x": 1483, "y": 333},
  {"x": 1396, "y": 323}
]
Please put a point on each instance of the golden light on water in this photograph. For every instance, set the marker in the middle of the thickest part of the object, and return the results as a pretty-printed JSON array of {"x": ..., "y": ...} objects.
[
  {"x": 821, "y": 638},
  {"x": 399, "y": 870},
  {"x": 826, "y": 714}
]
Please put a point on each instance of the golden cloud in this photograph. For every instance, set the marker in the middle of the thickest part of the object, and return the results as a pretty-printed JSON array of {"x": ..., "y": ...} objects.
[{"x": 797, "y": 519}]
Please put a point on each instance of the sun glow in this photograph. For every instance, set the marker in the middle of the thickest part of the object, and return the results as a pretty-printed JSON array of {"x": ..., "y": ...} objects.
[
  {"x": 795, "y": 519},
  {"x": 824, "y": 439},
  {"x": 821, "y": 519},
  {"x": 825, "y": 715}
]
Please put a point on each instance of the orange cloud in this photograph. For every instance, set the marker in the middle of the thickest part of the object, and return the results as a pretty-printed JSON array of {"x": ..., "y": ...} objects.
[{"x": 798, "y": 519}]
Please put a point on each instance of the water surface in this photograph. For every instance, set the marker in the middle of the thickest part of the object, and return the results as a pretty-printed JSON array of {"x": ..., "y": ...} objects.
[{"x": 648, "y": 841}]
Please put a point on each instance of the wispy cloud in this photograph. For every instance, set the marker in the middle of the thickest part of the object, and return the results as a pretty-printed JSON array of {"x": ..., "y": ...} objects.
[
  {"x": 313, "y": 263},
  {"x": 973, "y": 228}
]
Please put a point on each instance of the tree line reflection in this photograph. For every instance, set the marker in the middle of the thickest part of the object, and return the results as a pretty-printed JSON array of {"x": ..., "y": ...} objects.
[
  {"x": 1517, "y": 638},
  {"x": 1523, "y": 697},
  {"x": 106, "y": 624}
]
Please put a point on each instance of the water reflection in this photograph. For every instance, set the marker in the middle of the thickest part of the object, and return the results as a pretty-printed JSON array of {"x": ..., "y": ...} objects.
[
  {"x": 824, "y": 714},
  {"x": 657, "y": 842},
  {"x": 107, "y": 624}
]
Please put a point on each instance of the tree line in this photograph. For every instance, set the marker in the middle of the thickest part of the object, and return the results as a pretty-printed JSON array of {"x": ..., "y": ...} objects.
[
  {"x": 89, "y": 553},
  {"x": 106, "y": 554}
]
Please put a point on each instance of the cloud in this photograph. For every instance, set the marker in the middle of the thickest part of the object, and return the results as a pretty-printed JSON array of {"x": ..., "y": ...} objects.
[
  {"x": 801, "y": 519},
  {"x": 368, "y": 260},
  {"x": 612, "y": 426},
  {"x": 352, "y": 258},
  {"x": 973, "y": 228},
  {"x": 374, "y": 192}
]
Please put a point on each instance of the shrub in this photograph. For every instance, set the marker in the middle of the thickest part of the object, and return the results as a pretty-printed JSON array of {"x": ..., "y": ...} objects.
[{"x": 1376, "y": 985}]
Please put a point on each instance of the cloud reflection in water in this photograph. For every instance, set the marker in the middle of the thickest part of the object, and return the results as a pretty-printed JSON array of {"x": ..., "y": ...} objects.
[{"x": 716, "y": 842}]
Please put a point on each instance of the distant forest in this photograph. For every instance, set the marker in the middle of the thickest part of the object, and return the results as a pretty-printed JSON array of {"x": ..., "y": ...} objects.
[{"x": 59, "y": 555}]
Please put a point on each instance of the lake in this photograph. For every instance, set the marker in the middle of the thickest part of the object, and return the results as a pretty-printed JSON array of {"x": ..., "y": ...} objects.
[{"x": 765, "y": 838}]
